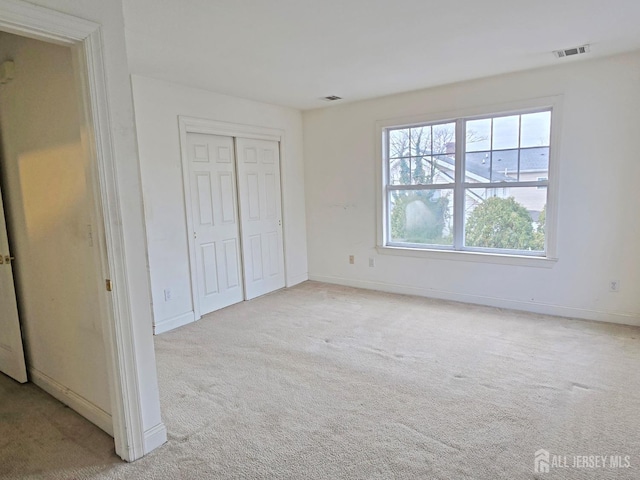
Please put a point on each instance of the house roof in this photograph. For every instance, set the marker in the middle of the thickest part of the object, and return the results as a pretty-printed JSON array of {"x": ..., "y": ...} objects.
[
  {"x": 501, "y": 165},
  {"x": 497, "y": 166}
]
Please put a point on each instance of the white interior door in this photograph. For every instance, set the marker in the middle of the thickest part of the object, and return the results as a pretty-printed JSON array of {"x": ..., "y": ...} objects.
[
  {"x": 11, "y": 352},
  {"x": 260, "y": 215},
  {"x": 215, "y": 221}
]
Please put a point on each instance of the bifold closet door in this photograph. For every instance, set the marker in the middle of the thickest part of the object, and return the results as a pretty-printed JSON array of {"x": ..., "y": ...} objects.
[
  {"x": 261, "y": 215},
  {"x": 214, "y": 207}
]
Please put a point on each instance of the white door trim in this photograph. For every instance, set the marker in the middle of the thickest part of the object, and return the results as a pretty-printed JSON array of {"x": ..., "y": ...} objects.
[
  {"x": 85, "y": 38},
  {"x": 188, "y": 124},
  {"x": 228, "y": 129}
]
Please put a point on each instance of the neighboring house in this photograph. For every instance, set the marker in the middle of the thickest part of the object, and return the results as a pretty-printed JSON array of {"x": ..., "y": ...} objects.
[
  {"x": 504, "y": 166},
  {"x": 496, "y": 167}
]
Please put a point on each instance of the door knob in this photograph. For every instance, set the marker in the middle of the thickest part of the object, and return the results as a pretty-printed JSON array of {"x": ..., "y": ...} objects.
[{"x": 7, "y": 259}]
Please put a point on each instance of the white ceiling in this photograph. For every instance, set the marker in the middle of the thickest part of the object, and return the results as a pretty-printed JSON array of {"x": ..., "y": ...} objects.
[{"x": 293, "y": 52}]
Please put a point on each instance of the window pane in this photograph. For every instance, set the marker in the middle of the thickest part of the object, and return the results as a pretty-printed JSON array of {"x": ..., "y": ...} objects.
[
  {"x": 422, "y": 171},
  {"x": 400, "y": 171},
  {"x": 444, "y": 139},
  {"x": 534, "y": 164},
  {"x": 536, "y": 129},
  {"x": 506, "y": 132},
  {"x": 504, "y": 166},
  {"x": 477, "y": 167},
  {"x": 478, "y": 135},
  {"x": 421, "y": 216},
  {"x": 399, "y": 143},
  {"x": 430, "y": 170},
  {"x": 505, "y": 218},
  {"x": 421, "y": 141}
]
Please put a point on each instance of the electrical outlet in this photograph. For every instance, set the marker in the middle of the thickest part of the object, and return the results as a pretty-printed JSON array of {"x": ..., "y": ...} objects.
[
  {"x": 167, "y": 294},
  {"x": 614, "y": 285},
  {"x": 352, "y": 259},
  {"x": 372, "y": 262}
]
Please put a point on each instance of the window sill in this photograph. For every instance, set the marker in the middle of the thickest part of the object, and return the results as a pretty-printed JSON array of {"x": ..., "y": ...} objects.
[{"x": 466, "y": 256}]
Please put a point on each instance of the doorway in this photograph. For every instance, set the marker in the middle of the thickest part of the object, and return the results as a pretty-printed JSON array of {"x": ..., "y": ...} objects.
[
  {"x": 137, "y": 426},
  {"x": 54, "y": 229}
]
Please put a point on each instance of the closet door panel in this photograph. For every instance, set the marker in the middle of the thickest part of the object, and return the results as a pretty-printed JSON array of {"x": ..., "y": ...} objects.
[
  {"x": 259, "y": 196},
  {"x": 216, "y": 235}
]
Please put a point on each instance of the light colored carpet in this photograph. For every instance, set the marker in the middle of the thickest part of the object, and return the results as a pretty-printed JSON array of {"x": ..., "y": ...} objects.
[
  {"x": 42, "y": 438},
  {"x": 328, "y": 382}
]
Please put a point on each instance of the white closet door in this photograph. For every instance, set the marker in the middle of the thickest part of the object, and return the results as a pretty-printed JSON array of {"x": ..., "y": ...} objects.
[
  {"x": 11, "y": 351},
  {"x": 215, "y": 221},
  {"x": 260, "y": 215}
]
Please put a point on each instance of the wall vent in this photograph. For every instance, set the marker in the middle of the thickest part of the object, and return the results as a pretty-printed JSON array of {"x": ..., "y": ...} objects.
[
  {"x": 567, "y": 52},
  {"x": 332, "y": 98}
]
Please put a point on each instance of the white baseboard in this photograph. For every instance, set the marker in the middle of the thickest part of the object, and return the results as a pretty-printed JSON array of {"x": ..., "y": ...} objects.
[
  {"x": 84, "y": 407},
  {"x": 154, "y": 437},
  {"x": 174, "y": 322},
  {"x": 296, "y": 279},
  {"x": 534, "y": 307}
]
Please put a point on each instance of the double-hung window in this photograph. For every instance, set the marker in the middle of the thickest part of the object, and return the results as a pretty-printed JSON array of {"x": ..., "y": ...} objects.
[{"x": 469, "y": 184}]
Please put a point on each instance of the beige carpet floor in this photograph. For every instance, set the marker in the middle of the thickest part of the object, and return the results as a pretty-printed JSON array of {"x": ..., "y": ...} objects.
[{"x": 329, "y": 382}]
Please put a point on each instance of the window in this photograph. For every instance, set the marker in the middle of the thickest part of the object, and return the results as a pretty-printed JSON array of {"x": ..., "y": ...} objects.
[{"x": 469, "y": 184}]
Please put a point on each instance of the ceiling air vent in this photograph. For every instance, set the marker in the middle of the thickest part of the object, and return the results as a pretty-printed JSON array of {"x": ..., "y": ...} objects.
[
  {"x": 567, "y": 52},
  {"x": 332, "y": 98}
]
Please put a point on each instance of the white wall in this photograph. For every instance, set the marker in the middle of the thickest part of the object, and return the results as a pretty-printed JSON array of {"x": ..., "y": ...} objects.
[
  {"x": 598, "y": 222},
  {"x": 49, "y": 205},
  {"x": 109, "y": 15},
  {"x": 157, "y": 107}
]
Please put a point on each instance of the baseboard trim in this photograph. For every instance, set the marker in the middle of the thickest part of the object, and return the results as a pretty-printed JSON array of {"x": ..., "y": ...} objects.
[
  {"x": 76, "y": 402},
  {"x": 174, "y": 322},
  {"x": 534, "y": 307},
  {"x": 296, "y": 279},
  {"x": 154, "y": 437}
]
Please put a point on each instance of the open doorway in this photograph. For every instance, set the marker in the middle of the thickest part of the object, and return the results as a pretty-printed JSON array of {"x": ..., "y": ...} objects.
[
  {"x": 108, "y": 134},
  {"x": 48, "y": 188}
]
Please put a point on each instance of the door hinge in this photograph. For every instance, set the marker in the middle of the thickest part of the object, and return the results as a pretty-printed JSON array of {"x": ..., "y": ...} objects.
[{"x": 109, "y": 285}]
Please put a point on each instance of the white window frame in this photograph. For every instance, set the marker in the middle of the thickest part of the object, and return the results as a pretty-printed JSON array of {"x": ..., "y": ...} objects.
[{"x": 459, "y": 253}]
